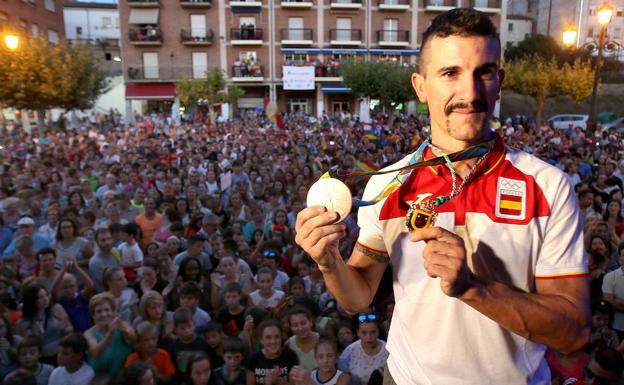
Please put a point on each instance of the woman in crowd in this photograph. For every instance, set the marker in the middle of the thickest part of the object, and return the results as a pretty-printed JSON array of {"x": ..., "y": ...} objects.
[
  {"x": 110, "y": 339},
  {"x": 367, "y": 355},
  {"x": 41, "y": 318},
  {"x": 272, "y": 364},
  {"x": 70, "y": 244}
]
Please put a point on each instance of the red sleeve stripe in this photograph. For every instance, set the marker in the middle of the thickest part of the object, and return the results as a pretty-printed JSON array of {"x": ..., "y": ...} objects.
[
  {"x": 572, "y": 275},
  {"x": 372, "y": 249}
]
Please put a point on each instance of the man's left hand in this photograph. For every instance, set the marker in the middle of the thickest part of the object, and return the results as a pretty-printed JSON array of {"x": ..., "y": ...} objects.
[{"x": 444, "y": 257}]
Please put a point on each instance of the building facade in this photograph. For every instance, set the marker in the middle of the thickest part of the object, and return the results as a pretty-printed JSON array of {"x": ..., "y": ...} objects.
[
  {"x": 96, "y": 25},
  {"x": 269, "y": 47},
  {"x": 36, "y": 18}
]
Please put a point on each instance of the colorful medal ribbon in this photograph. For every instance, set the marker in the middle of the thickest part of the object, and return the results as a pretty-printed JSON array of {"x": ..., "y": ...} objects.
[{"x": 404, "y": 172}]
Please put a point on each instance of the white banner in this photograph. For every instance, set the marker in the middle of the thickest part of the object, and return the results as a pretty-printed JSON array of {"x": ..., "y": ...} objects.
[{"x": 298, "y": 78}]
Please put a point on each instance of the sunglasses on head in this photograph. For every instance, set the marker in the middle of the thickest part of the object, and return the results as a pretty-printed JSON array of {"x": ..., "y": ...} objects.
[
  {"x": 269, "y": 254},
  {"x": 367, "y": 318}
]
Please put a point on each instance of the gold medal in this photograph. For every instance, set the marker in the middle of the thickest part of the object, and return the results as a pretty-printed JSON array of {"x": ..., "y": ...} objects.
[{"x": 421, "y": 216}]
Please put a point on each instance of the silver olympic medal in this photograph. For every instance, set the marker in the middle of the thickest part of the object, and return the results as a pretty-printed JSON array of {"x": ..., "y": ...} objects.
[{"x": 332, "y": 194}]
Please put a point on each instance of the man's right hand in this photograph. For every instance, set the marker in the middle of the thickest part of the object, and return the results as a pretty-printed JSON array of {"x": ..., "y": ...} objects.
[{"x": 318, "y": 234}]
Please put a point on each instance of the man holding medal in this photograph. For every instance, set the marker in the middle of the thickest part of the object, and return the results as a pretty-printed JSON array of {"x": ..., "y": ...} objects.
[{"x": 485, "y": 241}]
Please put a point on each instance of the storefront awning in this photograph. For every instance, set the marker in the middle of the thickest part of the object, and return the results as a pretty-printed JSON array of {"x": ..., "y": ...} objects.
[
  {"x": 153, "y": 91},
  {"x": 143, "y": 16},
  {"x": 335, "y": 89}
]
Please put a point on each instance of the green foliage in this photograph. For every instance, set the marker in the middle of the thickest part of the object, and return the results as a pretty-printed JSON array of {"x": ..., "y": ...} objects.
[
  {"x": 541, "y": 78},
  {"x": 542, "y": 46},
  {"x": 208, "y": 90},
  {"x": 387, "y": 82},
  {"x": 40, "y": 75}
]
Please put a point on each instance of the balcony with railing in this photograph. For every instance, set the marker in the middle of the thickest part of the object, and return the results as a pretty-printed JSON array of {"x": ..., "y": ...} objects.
[
  {"x": 195, "y": 3},
  {"x": 196, "y": 36},
  {"x": 145, "y": 36},
  {"x": 297, "y": 36},
  {"x": 392, "y": 38},
  {"x": 393, "y": 5},
  {"x": 158, "y": 73},
  {"x": 488, "y": 6},
  {"x": 246, "y": 4},
  {"x": 350, "y": 37},
  {"x": 246, "y": 35},
  {"x": 345, "y": 4},
  {"x": 299, "y": 4},
  {"x": 247, "y": 72},
  {"x": 144, "y": 3},
  {"x": 440, "y": 5},
  {"x": 324, "y": 71}
]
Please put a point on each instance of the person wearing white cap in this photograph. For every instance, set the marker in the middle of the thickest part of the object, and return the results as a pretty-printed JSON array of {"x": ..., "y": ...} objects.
[{"x": 26, "y": 226}]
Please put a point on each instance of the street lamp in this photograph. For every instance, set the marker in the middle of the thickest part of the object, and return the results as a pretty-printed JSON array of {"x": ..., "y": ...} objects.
[
  {"x": 605, "y": 13},
  {"x": 11, "y": 41}
]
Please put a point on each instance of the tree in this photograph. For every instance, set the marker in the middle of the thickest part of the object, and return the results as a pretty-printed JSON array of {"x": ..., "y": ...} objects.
[
  {"x": 209, "y": 90},
  {"x": 387, "y": 82},
  {"x": 40, "y": 75},
  {"x": 540, "y": 79}
]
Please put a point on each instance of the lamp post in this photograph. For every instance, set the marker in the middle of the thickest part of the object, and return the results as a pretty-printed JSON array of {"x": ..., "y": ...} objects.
[{"x": 605, "y": 13}]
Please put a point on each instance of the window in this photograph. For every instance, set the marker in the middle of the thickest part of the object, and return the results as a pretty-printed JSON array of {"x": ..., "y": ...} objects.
[
  {"x": 390, "y": 30},
  {"x": 247, "y": 21},
  {"x": 34, "y": 30},
  {"x": 52, "y": 36},
  {"x": 50, "y": 5},
  {"x": 590, "y": 32},
  {"x": 200, "y": 64},
  {"x": 23, "y": 25},
  {"x": 619, "y": 13},
  {"x": 78, "y": 30},
  {"x": 107, "y": 22},
  {"x": 248, "y": 56},
  {"x": 296, "y": 58},
  {"x": 343, "y": 26},
  {"x": 108, "y": 56},
  {"x": 295, "y": 28},
  {"x": 592, "y": 11},
  {"x": 510, "y": 27},
  {"x": 198, "y": 26},
  {"x": 150, "y": 65}
]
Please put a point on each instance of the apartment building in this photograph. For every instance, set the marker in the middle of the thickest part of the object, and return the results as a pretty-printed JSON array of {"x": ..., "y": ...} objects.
[
  {"x": 286, "y": 51},
  {"x": 95, "y": 25},
  {"x": 32, "y": 18}
]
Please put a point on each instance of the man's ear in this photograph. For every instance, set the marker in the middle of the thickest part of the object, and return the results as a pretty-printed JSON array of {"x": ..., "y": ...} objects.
[{"x": 418, "y": 83}]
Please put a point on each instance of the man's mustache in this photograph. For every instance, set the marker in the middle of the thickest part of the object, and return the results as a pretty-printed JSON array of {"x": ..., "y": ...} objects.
[{"x": 476, "y": 106}]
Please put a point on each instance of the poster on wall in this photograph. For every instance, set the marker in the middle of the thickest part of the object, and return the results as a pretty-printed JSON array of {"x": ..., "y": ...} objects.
[{"x": 298, "y": 78}]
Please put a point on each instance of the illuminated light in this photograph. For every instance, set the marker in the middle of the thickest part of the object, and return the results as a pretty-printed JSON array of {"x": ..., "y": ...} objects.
[
  {"x": 569, "y": 36},
  {"x": 605, "y": 12},
  {"x": 11, "y": 42}
]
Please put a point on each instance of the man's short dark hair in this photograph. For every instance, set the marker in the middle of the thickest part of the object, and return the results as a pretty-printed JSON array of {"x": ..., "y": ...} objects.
[
  {"x": 458, "y": 22},
  {"x": 101, "y": 231},
  {"x": 196, "y": 238},
  {"x": 233, "y": 287},
  {"x": 44, "y": 251},
  {"x": 234, "y": 345},
  {"x": 76, "y": 342},
  {"x": 190, "y": 289}
]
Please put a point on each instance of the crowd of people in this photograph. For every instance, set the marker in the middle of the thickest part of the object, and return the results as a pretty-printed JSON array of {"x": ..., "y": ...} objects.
[{"x": 163, "y": 253}]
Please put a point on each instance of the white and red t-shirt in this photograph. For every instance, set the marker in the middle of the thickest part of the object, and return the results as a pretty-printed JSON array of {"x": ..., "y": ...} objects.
[{"x": 520, "y": 222}]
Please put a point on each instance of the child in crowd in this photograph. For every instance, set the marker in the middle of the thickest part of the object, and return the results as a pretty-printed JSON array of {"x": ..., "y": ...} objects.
[
  {"x": 72, "y": 357},
  {"x": 232, "y": 372},
  {"x": 186, "y": 341},
  {"x": 326, "y": 373},
  {"x": 131, "y": 254},
  {"x": 28, "y": 355},
  {"x": 213, "y": 334},
  {"x": 148, "y": 352},
  {"x": 189, "y": 299},
  {"x": 266, "y": 296},
  {"x": 304, "y": 339},
  {"x": 199, "y": 370},
  {"x": 232, "y": 315}
]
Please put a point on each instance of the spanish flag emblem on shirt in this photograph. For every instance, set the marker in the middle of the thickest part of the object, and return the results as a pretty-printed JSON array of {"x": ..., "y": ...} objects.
[{"x": 511, "y": 198}]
